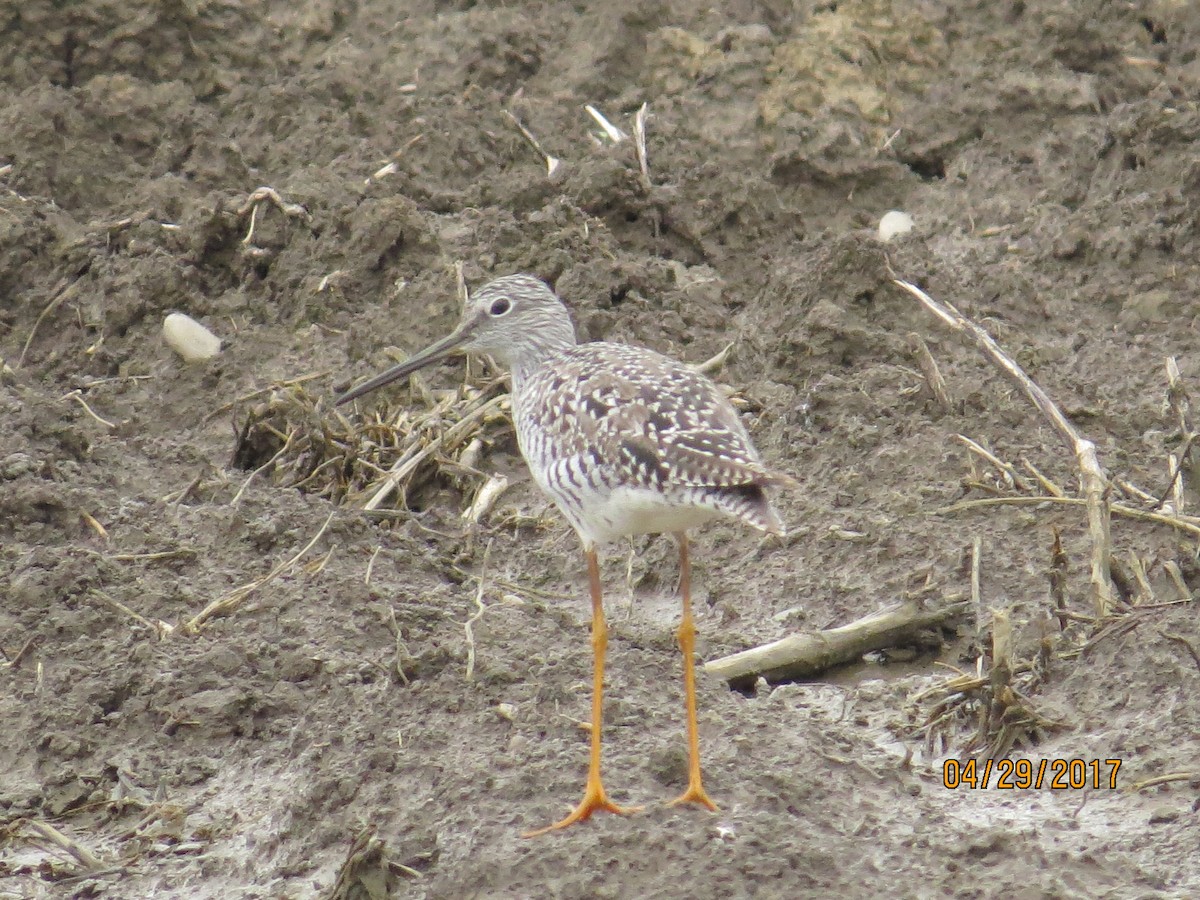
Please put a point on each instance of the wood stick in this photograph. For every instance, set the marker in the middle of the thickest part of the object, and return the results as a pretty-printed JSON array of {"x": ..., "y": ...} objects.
[
  {"x": 1188, "y": 645},
  {"x": 81, "y": 854},
  {"x": 1180, "y": 404},
  {"x": 1162, "y": 779},
  {"x": 929, "y": 369},
  {"x": 639, "y": 144},
  {"x": 1058, "y": 580},
  {"x": 1047, "y": 485},
  {"x": 807, "y": 655},
  {"x": 1000, "y": 676},
  {"x": 1091, "y": 476},
  {"x": 1189, "y": 524},
  {"x": 227, "y": 603},
  {"x": 1015, "y": 481},
  {"x": 976, "y": 587},
  {"x": 551, "y": 162}
]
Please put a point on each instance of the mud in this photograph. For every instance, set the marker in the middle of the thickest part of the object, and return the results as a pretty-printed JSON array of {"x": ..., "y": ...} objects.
[{"x": 1047, "y": 152}]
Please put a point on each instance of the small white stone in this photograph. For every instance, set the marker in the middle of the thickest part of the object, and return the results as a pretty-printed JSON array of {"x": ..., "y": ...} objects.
[
  {"x": 189, "y": 338},
  {"x": 894, "y": 224}
]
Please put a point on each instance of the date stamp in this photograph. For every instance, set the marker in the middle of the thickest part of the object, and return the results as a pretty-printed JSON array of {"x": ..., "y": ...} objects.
[{"x": 1021, "y": 774}]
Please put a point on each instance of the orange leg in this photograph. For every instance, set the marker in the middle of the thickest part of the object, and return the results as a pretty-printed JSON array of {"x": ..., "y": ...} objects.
[
  {"x": 594, "y": 796},
  {"x": 695, "y": 792}
]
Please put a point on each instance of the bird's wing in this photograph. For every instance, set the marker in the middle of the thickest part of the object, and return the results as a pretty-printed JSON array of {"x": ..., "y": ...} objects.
[{"x": 646, "y": 418}]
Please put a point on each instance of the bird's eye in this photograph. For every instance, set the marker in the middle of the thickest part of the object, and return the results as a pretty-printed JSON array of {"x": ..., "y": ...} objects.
[{"x": 500, "y": 307}]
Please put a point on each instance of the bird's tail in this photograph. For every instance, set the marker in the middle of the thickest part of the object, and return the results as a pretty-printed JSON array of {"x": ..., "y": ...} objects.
[{"x": 749, "y": 502}]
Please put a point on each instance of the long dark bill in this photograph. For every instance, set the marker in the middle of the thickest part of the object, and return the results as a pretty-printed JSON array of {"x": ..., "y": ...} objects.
[{"x": 431, "y": 354}]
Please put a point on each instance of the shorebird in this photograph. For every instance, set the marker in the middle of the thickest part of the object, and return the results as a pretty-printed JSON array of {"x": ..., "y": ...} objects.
[{"x": 625, "y": 441}]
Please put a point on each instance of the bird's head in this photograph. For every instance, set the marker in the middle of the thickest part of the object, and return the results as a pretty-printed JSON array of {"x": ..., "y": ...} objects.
[{"x": 516, "y": 319}]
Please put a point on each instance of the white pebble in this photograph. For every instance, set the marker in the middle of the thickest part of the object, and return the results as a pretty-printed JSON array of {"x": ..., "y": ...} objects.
[
  {"x": 189, "y": 338},
  {"x": 893, "y": 224}
]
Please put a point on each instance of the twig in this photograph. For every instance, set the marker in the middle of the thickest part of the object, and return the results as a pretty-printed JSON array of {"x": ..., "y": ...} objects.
[
  {"x": 1000, "y": 680},
  {"x": 1145, "y": 594},
  {"x": 552, "y": 163},
  {"x": 464, "y": 297},
  {"x": 714, "y": 362},
  {"x": 93, "y": 523},
  {"x": 169, "y": 817},
  {"x": 15, "y": 661},
  {"x": 1047, "y": 485},
  {"x": 1188, "y": 645},
  {"x": 183, "y": 493},
  {"x": 639, "y": 144},
  {"x": 807, "y": 655},
  {"x": 371, "y": 566},
  {"x": 254, "y": 201},
  {"x": 929, "y": 369},
  {"x": 77, "y": 396},
  {"x": 62, "y": 293},
  {"x": 270, "y": 462},
  {"x": 1092, "y": 478},
  {"x": 401, "y": 657},
  {"x": 391, "y": 167},
  {"x": 1175, "y": 467},
  {"x": 615, "y": 134},
  {"x": 1176, "y": 575},
  {"x": 963, "y": 682},
  {"x": 1117, "y": 627},
  {"x": 229, "y": 602},
  {"x": 180, "y": 553},
  {"x": 162, "y": 629},
  {"x": 1180, "y": 404},
  {"x": 485, "y": 499},
  {"x": 1161, "y": 779},
  {"x": 1058, "y": 580},
  {"x": 274, "y": 386},
  {"x": 1177, "y": 397},
  {"x": 1190, "y": 524},
  {"x": 977, "y": 603},
  {"x": 460, "y": 281},
  {"x": 60, "y": 841},
  {"x": 317, "y": 566},
  {"x": 514, "y": 588},
  {"x": 976, "y": 589},
  {"x": 1129, "y": 489},
  {"x": 480, "y": 609},
  {"x": 1014, "y": 480}
]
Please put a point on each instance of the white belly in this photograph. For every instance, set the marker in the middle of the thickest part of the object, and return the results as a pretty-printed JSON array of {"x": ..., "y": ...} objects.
[
  {"x": 599, "y": 511},
  {"x": 602, "y": 518}
]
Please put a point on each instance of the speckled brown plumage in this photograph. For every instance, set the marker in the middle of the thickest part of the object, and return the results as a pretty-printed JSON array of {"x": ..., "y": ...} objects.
[{"x": 628, "y": 441}]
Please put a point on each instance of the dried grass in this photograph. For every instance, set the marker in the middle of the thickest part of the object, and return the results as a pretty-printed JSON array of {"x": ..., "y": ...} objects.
[
  {"x": 998, "y": 695},
  {"x": 295, "y": 440}
]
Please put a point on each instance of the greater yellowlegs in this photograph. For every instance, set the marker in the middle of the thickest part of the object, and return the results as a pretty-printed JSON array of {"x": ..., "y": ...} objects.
[{"x": 624, "y": 441}]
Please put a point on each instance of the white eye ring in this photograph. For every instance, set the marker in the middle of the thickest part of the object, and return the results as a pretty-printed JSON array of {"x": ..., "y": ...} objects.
[{"x": 500, "y": 307}]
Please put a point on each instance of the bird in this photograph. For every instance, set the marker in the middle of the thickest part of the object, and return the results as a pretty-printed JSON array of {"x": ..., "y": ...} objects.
[{"x": 624, "y": 441}]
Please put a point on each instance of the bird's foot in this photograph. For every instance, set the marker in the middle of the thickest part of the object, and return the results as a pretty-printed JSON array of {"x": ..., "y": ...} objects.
[
  {"x": 695, "y": 793},
  {"x": 594, "y": 800}
]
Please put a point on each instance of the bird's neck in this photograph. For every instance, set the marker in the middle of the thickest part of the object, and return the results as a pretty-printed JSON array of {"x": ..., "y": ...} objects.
[{"x": 538, "y": 349}]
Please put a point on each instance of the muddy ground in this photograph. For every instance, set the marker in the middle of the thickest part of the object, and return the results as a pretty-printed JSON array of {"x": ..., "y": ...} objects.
[{"x": 1047, "y": 152}]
